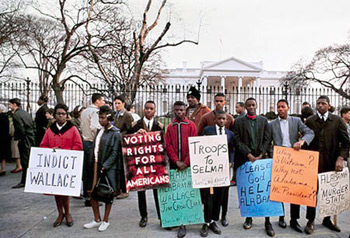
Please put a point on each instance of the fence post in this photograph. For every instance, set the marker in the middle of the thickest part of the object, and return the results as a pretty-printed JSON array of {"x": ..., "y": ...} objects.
[
  {"x": 28, "y": 94},
  {"x": 286, "y": 86}
]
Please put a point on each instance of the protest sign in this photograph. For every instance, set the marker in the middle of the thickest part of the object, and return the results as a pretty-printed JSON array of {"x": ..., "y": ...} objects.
[
  {"x": 54, "y": 171},
  {"x": 209, "y": 161},
  {"x": 333, "y": 192},
  {"x": 294, "y": 176},
  {"x": 145, "y": 164},
  {"x": 180, "y": 204},
  {"x": 253, "y": 189}
]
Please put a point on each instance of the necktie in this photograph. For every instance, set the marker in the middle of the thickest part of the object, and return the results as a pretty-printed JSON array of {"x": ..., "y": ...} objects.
[
  {"x": 220, "y": 130},
  {"x": 149, "y": 125}
]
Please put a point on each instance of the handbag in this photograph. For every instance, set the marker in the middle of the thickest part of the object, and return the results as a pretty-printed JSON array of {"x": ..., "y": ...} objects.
[{"x": 103, "y": 191}]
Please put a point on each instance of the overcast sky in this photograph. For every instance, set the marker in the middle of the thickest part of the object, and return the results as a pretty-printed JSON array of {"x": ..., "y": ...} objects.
[{"x": 277, "y": 32}]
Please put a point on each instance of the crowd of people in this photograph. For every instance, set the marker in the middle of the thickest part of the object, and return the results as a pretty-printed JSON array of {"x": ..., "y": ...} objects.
[{"x": 98, "y": 131}]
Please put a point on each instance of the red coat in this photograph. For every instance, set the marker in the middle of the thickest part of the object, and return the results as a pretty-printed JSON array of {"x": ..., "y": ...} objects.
[
  {"x": 68, "y": 138},
  {"x": 188, "y": 128}
]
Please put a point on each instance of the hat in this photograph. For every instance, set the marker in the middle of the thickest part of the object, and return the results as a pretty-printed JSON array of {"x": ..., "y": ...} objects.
[{"x": 194, "y": 92}]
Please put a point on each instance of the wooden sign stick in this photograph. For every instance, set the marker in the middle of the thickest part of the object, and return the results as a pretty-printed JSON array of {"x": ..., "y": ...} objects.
[
  {"x": 211, "y": 190},
  {"x": 335, "y": 220}
]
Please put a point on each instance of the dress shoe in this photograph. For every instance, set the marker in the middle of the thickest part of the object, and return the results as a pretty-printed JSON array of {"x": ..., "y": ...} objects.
[
  {"x": 16, "y": 170},
  {"x": 224, "y": 221},
  {"x": 329, "y": 224},
  {"x": 215, "y": 228},
  {"x": 282, "y": 223},
  {"x": 123, "y": 195},
  {"x": 20, "y": 185},
  {"x": 309, "y": 228},
  {"x": 58, "y": 221},
  {"x": 2, "y": 173},
  {"x": 248, "y": 223},
  {"x": 69, "y": 223},
  {"x": 295, "y": 225},
  {"x": 269, "y": 230},
  {"x": 181, "y": 232},
  {"x": 205, "y": 230},
  {"x": 143, "y": 222},
  {"x": 87, "y": 203}
]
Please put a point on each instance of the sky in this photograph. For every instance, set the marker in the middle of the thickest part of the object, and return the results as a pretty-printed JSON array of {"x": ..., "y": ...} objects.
[{"x": 277, "y": 32}]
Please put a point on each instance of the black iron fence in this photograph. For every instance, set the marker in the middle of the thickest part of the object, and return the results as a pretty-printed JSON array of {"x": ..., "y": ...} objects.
[{"x": 166, "y": 95}]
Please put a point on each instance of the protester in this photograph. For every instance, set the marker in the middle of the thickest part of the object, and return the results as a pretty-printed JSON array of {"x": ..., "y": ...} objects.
[
  {"x": 146, "y": 124},
  {"x": 305, "y": 113},
  {"x": 212, "y": 202},
  {"x": 332, "y": 142},
  {"x": 40, "y": 119},
  {"x": 107, "y": 150},
  {"x": 195, "y": 109},
  {"x": 14, "y": 145},
  {"x": 209, "y": 120},
  {"x": 89, "y": 127},
  {"x": 62, "y": 135},
  {"x": 345, "y": 114},
  {"x": 176, "y": 140},
  {"x": 252, "y": 138},
  {"x": 122, "y": 121},
  {"x": 5, "y": 140},
  {"x": 76, "y": 117},
  {"x": 305, "y": 104},
  {"x": 24, "y": 133},
  {"x": 240, "y": 109},
  {"x": 131, "y": 109},
  {"x": 285, "y": 131}
]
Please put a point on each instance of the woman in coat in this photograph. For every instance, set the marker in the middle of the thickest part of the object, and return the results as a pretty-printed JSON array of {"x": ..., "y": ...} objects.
[
  {"x": 62, "y": 135},
  {"x": 106, "y": 153}
]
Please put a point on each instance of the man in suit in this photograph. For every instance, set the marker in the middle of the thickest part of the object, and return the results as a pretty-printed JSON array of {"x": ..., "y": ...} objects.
[
  {"x": 176, "y": 140},
  {"x": 212, "y": 202},
  {"x": 209, "y": 120},
  {"x": 195, "y": 109},
  {"x": 40, "y": 119},
  {"x": 24, "y": 133},
  {"x": 332, "y": 142},
  {"x": 146, "y": 124},
  {"x": 285, "y": 132},
  {"x": 252, "y": 139},
  {"x": 123, "y": 121}
]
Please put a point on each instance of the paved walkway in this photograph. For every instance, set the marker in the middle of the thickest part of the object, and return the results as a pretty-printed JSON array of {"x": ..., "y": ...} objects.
[{"x": 32, "y": 215}]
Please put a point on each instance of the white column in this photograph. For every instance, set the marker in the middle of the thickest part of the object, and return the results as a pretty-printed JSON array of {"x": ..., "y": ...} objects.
[
  {"x": 257, "y": 80},
  {"x": 223, "y": 84},
  {"x": 239, "y": 88}
]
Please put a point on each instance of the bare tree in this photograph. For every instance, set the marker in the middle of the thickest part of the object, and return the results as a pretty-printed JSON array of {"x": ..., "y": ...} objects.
[
  {"x": 329, "y": 67},
  {"x": 56, "y": 60},
  {"x": 11, "y": 29},
  {"x": 134, "y": 53}
]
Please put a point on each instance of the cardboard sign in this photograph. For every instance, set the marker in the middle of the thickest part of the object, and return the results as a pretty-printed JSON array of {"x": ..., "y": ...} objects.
[
  {"x": 209, "y": 161},
  {"x": 294, "y": 176},
  {"x": 54, "y": 172},
  {"x": 180, "y": 204},
  {"x": 333, "y": 192},
  {"x": 145, "y": 164},
  {"x": 253, "y": 189}
]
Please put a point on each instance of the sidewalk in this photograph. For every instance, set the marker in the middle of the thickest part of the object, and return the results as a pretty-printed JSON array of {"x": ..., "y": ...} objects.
[{"x": 32, "y": 215}]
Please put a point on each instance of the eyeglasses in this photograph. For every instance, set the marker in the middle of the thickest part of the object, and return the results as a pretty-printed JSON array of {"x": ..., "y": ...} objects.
[{"x": 61, "y": 113}]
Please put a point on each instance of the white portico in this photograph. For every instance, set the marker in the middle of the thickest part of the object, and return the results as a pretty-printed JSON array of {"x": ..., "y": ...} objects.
[{"x": 225, "y": 76}]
